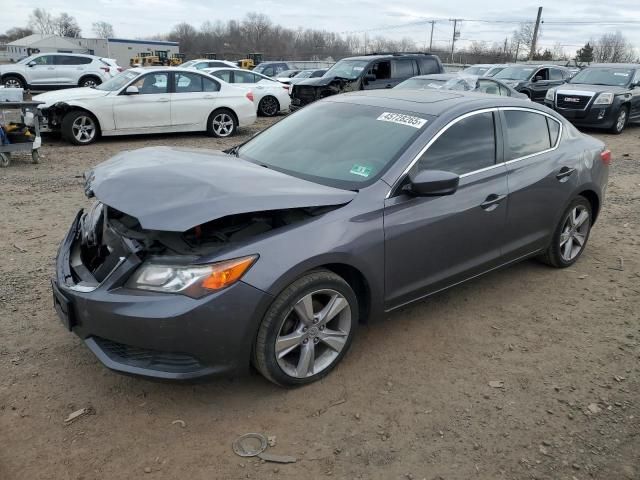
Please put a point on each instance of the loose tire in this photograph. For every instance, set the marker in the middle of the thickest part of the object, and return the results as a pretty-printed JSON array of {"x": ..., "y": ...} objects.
[
  {"x": 5, "y": 160},
  {"x": 13, "y": 81},
  {"x": 222, "y": 123},
  {"x": 89, "y": 82},
  {"x": 571, "y": 235},
  {"x": 79, "y": 127},
  {"x": 268, "y": 106},
  {"x": 307, "y": 330},
  {"x": 622, "y": 117}
]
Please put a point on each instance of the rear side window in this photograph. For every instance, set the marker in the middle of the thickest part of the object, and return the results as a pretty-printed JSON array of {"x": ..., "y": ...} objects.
[
  {"x": 209, "y": 85},
  {"x": 405, "y": 68},
  {"x": 244, "y": 77},
  {"x": 188, "y": 83},
  {"x": 554, "y": 131},
  {"x": 466, "y": 146},
  {"x": 69, "y": 60},
  {"x": 429, "y": 65},
  {"x": 223, "y": 75},
  {"x": 527, "y": 133}
]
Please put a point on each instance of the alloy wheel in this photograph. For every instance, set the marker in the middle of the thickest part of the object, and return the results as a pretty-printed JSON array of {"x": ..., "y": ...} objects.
[
  {"x": 12, "y": 82},
  {"x": 222, "y": 124},
  {"x": 574, "y": 233},
  {"x": 622, "y": 119},
  {"x": 313, "y": 333},
  {"x": 269, "y": 106},
  {"x": 83, "y": 129},
  {"x": 89, "y": 82}
]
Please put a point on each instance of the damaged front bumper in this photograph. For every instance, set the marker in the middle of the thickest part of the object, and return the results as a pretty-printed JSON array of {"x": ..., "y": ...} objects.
[{"x": 160, "y": 335}]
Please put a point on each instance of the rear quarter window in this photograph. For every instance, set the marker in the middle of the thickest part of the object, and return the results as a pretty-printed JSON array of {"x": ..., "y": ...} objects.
[
  {"x": 527, "y": 133},
  {"x": 429, "y": 65}
]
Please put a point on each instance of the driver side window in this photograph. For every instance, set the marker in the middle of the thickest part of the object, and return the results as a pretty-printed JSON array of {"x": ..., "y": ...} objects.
[
  {"x": 43, "y": 60},
  {"x": 152, "y": 83},
  {"x": 382, "y": 70},
  {"x": 542, "y": 74}
]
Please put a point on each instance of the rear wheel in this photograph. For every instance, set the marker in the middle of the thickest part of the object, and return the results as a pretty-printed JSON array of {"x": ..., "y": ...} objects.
[
  {"x": 79, "y": 127},
  {"x": 571, "y": 235},
  {"x": 222, "y": 123},
  {"x": 89, "y": 82},
  {"x": 268, "y": 106},
  {"x": 621, "y": 120},
  {"x": 13, "y": 81},
  {"x": 307, "y": 330}
]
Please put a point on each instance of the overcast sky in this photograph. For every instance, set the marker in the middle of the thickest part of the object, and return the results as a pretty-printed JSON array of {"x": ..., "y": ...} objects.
[{"x": 140, "y": 18}]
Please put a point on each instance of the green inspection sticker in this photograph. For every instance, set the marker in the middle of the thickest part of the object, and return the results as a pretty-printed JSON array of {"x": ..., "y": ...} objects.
[{"x": 360, "y": 170}]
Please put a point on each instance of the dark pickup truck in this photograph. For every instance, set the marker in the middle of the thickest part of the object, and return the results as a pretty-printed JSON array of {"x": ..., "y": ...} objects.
[
  {"x": 366, "y": 72},
  {"x": 600, "y": 96}
]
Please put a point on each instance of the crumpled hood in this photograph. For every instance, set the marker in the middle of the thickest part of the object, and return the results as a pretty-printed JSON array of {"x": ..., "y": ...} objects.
[
  {"x": 172, "y": 189},
  {"x": 581, "y": 87},
  {"x": 67, "y": 95},
  {"x": 323, "y": 81}
]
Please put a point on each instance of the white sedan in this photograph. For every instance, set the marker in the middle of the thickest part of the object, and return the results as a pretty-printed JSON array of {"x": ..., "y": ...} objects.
[
  {"x": 148, "y": 100},
  {"x": 269, "y": 95}
]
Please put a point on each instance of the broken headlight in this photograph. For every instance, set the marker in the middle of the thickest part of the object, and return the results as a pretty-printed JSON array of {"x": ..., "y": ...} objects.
[{"x": 191, "y": 280}]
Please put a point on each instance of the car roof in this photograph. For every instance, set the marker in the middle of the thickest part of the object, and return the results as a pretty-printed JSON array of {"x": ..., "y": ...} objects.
[
  {"x": 431, "y": 102},
  {"x": 162, "y": 68},
  {"x": 66, "y": 54},
  {"x": 614, "y": 65},
  {"x": 376, "y": 56}
]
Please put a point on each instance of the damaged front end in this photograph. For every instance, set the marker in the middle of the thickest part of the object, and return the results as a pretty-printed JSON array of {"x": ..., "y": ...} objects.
[
  {"x": 309, "y": 91},
  {"x": 51, "y": 117}
]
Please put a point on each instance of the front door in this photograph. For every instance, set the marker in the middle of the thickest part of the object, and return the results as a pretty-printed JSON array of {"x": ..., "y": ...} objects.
[
  {"x": 42, "y": 71},
  {"x": 382, "y": 72},
  {"x": 435, "y": 242},
  {"x": 149, "y": 108}
]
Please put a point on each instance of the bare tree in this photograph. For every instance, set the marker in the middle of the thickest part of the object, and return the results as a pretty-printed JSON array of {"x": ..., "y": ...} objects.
[
  {"x": 67, "y": 26},
  {"x": 42, "y": 22},
  {"x": 15, "y": 34},
  {"x": 255, "y": 26},
  {"x": 613, "y": 48},
  {"x": 558, "y": 53},
  {"x": 523, "y": 37},
  {"x": 103, "y": 30}
]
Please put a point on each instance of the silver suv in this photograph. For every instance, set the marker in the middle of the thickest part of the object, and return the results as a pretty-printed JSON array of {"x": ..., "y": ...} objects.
[{"x": 47, "y": 70}]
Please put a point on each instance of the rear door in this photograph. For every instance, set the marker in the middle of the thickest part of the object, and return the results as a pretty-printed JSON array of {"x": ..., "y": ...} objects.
[
  {"x": 541, "y": 175},
  {"x": 194, "y": 97},
  {"x": 402, "y": 69},
  {"x": 434, "y": 242},
  {"x": 149, "y": 108},
  {"x": 70, "y": 68}
]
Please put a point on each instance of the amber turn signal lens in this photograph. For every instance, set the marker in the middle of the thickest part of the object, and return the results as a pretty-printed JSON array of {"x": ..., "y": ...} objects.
[{"x": 228, "y": 272}]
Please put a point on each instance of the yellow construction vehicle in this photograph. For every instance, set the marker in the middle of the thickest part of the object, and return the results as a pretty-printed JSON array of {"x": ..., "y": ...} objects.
[
  {"x": 250, "y": 61},
  {"x": 176, "y": 59},
  {"x": 144, "y": 59}
]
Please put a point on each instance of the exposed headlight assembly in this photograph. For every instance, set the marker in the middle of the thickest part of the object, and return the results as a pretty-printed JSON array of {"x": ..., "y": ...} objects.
[
  {"x": 191, "y": 280},
  {"x": 605, "y": 98},
  {"x": 551, "y": 95}
]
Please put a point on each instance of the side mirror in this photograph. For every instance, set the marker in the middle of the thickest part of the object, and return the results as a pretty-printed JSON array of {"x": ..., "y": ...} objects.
[
  {"x": 31, "y": 64},
  {"x": 432, "y": 183},
  {"x": 131, "y": 90},
  {"x": 370, "y": 77}
]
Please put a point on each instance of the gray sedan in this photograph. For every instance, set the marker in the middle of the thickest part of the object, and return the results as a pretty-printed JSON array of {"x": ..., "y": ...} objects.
[
  {"x": 193, "y": 262},
  {"x": 460, "y": 82}
]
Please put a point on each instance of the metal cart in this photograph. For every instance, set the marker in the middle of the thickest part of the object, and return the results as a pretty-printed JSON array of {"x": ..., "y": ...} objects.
[{"x": 23, "y": 108}]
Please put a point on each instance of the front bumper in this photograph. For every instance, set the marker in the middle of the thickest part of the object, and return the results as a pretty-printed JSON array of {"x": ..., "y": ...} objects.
[
  {"x": 596, "y": 116},
  {"x": 157, "y": 335}
]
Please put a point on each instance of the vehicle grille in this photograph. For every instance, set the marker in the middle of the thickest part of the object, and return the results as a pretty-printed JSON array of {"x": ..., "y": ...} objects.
[
  {"x": 305, "y": 94},
  {"x": 149, "y": 359},
  {"x": 573, "y": 102}
]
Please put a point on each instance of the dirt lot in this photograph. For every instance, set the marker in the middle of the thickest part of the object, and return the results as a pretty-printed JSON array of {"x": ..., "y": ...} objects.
[{"x": 412, "y": 399}]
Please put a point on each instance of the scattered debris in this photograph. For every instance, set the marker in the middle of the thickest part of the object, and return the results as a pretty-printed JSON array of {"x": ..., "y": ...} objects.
[
  {"x": 250, "y": 444},
  {"x": 618, "y": 378},
  {"x": 269, "y": 457},
  {"x": 594, "y": 408},
  {"x": 19, "y": 248},
  {"x": 147, "y": 469},
  {"x": 83, "y": 412},
  {"x": 496, "y": 384},
  {"x": 271, "y": 440},
  {"x": 36, "y": 237},
  {"x": 182, "y": 423},
  {"x": 324, "y": 410}
]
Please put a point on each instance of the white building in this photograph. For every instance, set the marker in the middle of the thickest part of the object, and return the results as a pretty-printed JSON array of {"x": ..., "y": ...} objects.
[{"x": 119, "y": 48}]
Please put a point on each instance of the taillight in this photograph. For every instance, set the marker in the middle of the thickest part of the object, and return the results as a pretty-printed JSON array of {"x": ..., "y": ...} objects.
[
  {"x": 105, "y": 69},
  {"x": 606, "y": 157},
  {"x": 250, "y": 95},
  {"x": 120, "y": 69},
  {"x": 286, "y": 87}
]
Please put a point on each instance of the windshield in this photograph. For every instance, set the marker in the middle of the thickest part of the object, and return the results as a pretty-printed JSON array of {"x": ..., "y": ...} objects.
[
  {"x": 618, "y": 77},
  {"x": 338, "y": 144},
  {"x": 493, "y": 71},
  {"x": 417, "y": 83},
  {"x": 515, "y": 73},
  {"x": 350, "y": 69},
  {"x": 304, "y": 74},
  {"x": 26, "y": 59},
  {"x": 117, "y": 82},
  {"x": 467, "y": 83},
  {"x": 476, "y": 70}
]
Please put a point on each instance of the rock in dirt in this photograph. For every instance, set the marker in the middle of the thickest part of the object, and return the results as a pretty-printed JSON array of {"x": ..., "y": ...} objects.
[
  {"x": 270, "y": 457},
  {"x": 496, "y": 384},
  {"x": 593, "y": 408},
  {"x": 83, "y": 412},
  {"x": 182, "y": 423}
]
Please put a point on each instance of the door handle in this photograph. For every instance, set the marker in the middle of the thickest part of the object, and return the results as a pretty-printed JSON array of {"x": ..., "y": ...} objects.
[
  {"x": 565, "y": 173},
  {"x": 51, "y": 68},
  {"x": 388, "y": 85},
  {"x": 492, "y": 202},
  {"x": 163, "y": 100},
  {"x": 209, "y": 97}
]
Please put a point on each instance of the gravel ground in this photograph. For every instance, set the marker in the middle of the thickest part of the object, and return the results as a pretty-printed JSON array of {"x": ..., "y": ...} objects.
[{"x": 412, "y": 399}]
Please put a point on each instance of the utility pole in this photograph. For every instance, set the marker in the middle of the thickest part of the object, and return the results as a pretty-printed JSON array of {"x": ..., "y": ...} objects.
[
  {"x": 515, "y": 60},
  {"x": 456, "y": 34},
  {"x": 534, "y": 40},
  {"x": 432, "y": 22},
  {"x": 505, "y": 47}
]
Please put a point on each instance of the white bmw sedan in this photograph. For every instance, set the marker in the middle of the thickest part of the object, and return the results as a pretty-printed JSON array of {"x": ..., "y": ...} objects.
[
  {"x": 269, "y": 95},
  {"x": 148, "y": 100}
]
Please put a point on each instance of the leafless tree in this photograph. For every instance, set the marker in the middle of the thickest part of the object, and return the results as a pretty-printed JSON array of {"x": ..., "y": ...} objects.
[
  {"x": 613, "y": 48},
  {"x": 42, "y": 22},
  {"x": 66, "y": 26},
  {"x": 523, "y": 37},
  {"x": 103, "y": 30},
  {"x": 15, "y": 34}
]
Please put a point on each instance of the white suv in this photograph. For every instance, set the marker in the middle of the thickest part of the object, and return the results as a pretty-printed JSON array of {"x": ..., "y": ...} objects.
[{"x": 46, "y": 70}]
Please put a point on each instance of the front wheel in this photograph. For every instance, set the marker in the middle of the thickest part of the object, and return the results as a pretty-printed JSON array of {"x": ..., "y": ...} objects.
[
  {"x": 79, "y": 127},
  {"x": 221, "y": 124},
  {"x": 621, "y": 120},
  {"x": 571, "y": 235},
  {"x": 13, "y": 81},
  {"x": 307, "y": 330}
]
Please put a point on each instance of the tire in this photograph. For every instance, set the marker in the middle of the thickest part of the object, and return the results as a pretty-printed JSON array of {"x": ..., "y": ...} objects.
[
  {"x": 304, "y": 336},
  {"x": 5, "y": 160},
  {"x": 89, "y": 81},
  {"x": 269, "y": 106},
  {"x": 80, "y": 127},
  {"x": 222, "y": 123},
  {"x": 563, "y": 251},
  {"x": 35, "y": 157},
  {"x": 622, "y": 117},
  {"x": 13, "y": 81}
]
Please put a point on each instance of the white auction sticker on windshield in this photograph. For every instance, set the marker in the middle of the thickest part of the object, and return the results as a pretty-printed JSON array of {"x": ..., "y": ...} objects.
[{"x": 402, "y": 119}]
